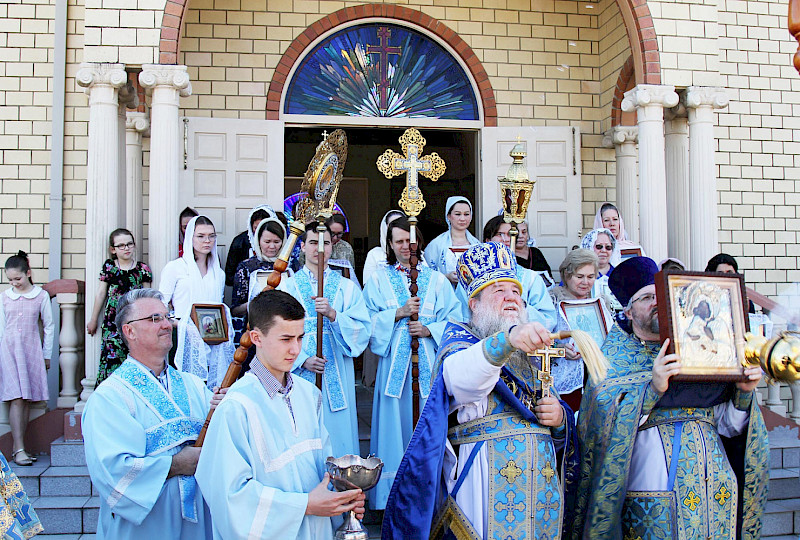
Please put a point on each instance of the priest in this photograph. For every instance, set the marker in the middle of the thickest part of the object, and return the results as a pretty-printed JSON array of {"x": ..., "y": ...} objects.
[
  {"x": 262, "y": 469},
  {"x": 657, "y": 455},
  {"x": 390, "y": 305},
  {"x": 346, "y": 327},
  {"x": 495, "y": 472}
]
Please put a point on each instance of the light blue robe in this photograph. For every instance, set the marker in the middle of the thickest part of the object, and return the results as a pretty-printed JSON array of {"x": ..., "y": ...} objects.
[
  {"x": 343, "y": 339},
  {"x": 538, "y": 303},
  {"x": 438, "y": 255},
  {"x": 129, "y": 448},
  {"x": 392, "y": 404},
  {"x": 258, "y": 464}
]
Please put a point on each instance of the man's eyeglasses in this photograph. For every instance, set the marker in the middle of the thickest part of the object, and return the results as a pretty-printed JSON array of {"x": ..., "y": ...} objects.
[
  {"x": 645, "y": 298},
  {"x": 156, "y": 318},
  {"x": 129, "y": 245},
  {"x": 601, "y": 247}
]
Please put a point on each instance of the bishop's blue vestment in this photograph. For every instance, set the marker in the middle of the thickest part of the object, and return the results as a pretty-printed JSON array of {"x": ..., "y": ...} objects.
[
  {"x": 343, "y": 339},
  {"x": 392, "y": 405},
  {"x": 132, "y": 426}
]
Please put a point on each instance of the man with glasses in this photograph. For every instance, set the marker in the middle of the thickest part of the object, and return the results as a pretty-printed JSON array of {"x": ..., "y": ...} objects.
[
  {"x": 138, "y": 427},
  {"x": 653, "y": 460}
]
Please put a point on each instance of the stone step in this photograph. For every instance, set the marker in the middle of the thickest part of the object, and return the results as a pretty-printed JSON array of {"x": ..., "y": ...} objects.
[
  {"x": 67, "y": 515},
  {"x": 781, "y": 518},
  {"x": 65, "y": 482},
  {"x": 29, "y": 476},
  {"x": 67, "y": 453},
  {"x": 784, "y": 484}
]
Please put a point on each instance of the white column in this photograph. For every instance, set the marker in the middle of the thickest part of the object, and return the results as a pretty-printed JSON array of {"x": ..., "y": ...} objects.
[
  {"x": 127, "y": 100},
  {"x": 102, "y": 82},
  {"x": 703, "y": 222},
  {"x": 676, "y": 136},
  {"x": 649, "y": 100},
  {"x": 167, "y": 84},
  {"x": 136, "y": 127},
  {"x": 623, "y": 139}
]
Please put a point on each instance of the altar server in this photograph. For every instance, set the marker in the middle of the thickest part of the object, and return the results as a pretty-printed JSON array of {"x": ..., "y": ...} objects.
[
  {"x": 537, "y": 300},
  {"x": 262, "y": 470},
  {"x": 138, "y": 427},
  {"x": 390, "y": 305},
  {"x": 346, "y": 327}
]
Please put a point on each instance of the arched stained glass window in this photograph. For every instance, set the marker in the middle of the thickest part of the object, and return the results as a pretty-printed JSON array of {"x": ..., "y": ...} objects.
[{"x": 381, "y": 70}]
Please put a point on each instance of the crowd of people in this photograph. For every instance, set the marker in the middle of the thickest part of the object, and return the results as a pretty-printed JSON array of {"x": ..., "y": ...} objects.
[{"x": 494, "y": 454}]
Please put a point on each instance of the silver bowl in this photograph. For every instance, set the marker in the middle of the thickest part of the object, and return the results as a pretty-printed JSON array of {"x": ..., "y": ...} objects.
[{"x": 354, "y": 472}]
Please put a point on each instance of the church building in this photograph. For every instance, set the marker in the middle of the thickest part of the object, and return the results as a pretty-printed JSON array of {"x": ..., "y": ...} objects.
[{"x": 120, "y": 113}]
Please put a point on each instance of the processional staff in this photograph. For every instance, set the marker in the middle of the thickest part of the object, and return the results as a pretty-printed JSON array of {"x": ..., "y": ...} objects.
[
  {"x": 392, "y": 164},
  {"x": 320, "y": 186}
]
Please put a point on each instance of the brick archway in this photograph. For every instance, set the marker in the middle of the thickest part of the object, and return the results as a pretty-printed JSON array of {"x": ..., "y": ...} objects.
[
  {"x": 625, "y": 82},
  {"x": 642, "y": 40},
  {"x": 388, "y": 11}
]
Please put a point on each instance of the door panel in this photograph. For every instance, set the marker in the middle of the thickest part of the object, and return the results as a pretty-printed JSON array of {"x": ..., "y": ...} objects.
[
  {"x": 233, "y": 165},
  {"x": 553, "y": 160}
]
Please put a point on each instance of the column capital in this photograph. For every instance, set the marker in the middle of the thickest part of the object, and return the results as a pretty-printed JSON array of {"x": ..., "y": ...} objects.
[
  {"x": 91, "y": 74},
  {"x": 137, "y": 121},
  {"x": 705, "y": 96},
  {"x": 644, "y": 95},
  {"x": 154, "y": 75},
  {"x": 618, "y": 135}
]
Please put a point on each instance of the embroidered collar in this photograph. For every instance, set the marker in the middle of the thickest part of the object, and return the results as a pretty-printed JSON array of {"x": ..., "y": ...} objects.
[
  {"x": 407, "y": 271},
  {"x": 313, "y": 275}
]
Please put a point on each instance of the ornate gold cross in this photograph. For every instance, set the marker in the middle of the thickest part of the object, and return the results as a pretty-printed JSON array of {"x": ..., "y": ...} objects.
[
  {"x": 410, "y": 163},
  {"x": 544, "y": 375}
]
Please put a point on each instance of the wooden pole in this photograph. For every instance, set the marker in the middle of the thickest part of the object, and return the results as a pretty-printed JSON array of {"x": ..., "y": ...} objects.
[
  {"x": 235, "y": 367},
  {"x": 320, "y": 289},
  {"x": 415, "y": 317}
]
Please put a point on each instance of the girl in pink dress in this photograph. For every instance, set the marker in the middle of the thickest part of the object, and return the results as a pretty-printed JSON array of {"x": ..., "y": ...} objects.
[{"x": 24, "y": 358}]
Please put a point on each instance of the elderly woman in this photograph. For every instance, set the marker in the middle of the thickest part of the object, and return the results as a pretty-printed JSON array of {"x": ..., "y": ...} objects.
[
  {"x": 608, "y": 217},
  {"x": 443, "y": 251},
  {"x": 578, "y": 273},
  {"x": 603, "y": 244}
]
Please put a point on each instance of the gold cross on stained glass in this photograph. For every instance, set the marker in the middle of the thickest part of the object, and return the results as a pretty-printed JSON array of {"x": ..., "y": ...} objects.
[
  {"x": 412, "y": 164},
  {"x": 544, "y": 375}
]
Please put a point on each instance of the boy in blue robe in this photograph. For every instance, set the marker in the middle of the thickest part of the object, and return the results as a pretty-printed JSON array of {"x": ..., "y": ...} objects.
[
  {"x": 262, "y": 469},
  {"x": 345, "y": 335}
]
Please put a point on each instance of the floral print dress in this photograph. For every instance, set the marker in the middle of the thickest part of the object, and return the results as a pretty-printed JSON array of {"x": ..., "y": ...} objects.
[{"x": 113, "y": 351}]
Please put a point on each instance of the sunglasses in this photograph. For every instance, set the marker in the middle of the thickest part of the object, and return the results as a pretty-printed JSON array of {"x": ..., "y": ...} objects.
[{"x": 601, "y": 247}]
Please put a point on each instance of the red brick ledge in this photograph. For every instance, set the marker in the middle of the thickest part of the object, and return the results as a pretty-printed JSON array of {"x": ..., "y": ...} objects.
[
  {"x": 642, "y": 40},
  {"x": 625, "y": 82}
]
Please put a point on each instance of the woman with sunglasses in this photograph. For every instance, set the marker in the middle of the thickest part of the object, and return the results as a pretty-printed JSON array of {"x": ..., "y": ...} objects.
[{"x": 602, "y": 243}]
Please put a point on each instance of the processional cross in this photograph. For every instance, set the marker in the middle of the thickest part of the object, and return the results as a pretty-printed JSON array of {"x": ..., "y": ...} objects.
[
  {"x": 392, "y": 164},
  {"x": 545, "y": 374},
  {"x": 384, "y": 50}
]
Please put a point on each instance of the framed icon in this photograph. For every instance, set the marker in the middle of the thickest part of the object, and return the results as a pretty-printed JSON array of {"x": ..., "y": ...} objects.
[
  {"x": 587, "y": 315},
  {"x": 703, "y": 315},
  {"x": 212, "y": 322},
  {"x": 627, "y": 253}
]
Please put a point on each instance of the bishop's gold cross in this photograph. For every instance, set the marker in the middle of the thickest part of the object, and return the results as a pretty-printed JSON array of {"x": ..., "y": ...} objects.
[
  {"x": 545, "y": 375},
  {"x": 410, "y": 163}
]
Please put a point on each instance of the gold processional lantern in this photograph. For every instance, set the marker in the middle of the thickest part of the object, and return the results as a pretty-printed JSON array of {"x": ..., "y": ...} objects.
[
  {"x": 515, "y": 191},
  {"x": 779, "y": 356}
]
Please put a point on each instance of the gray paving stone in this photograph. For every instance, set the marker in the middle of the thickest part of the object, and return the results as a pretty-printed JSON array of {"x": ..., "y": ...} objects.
[
  {"x": 61, "y": 520},
  {"x": 90, "y": 518},
  {"x": 778, "y": 523},
  {"x": 783, "y": 488},
  {"x": 30, "y": 484},
  {"x": 65, "y": 481},
  {"x": 791, "y": 457},
  {"x": 67, "y": 453},
  {"x": 775, "y": 458}
]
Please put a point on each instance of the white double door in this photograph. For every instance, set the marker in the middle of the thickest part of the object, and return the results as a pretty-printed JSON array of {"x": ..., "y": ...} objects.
[{"x": 233, "y": 165}]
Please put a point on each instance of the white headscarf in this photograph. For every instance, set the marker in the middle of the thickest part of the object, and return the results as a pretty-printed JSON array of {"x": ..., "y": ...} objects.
[
  {"x": 250, "y": 233},
  {"x": 255, "y": 243},
  {"x": 202, "y": 291},
  {"x": 385, "y": 227},
  {"x": 451, "y": 202}
]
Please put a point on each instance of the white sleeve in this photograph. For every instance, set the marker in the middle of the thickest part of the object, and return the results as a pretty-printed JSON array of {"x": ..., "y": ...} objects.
[
  {"x": 732, "y": 421},
  {"x": 169, "y": 279},
  {"x": 469, "y": 378},
  {"x": 46, "y": 312}
]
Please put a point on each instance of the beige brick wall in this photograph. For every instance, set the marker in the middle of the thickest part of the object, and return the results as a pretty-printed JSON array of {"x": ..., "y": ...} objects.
[
  {"x": 759, "y": 145},
  {"x": 26, "y": 69}
]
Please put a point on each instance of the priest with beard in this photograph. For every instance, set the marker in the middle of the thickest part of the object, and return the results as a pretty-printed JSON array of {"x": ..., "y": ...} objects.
[{"x": 486, "y": 454}]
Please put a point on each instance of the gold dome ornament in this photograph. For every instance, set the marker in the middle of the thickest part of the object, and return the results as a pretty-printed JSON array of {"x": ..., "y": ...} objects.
[{"x": 779, "y": 356}]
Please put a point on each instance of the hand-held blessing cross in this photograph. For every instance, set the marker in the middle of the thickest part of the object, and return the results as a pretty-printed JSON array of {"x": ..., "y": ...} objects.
[{"x": 545, "y": 373}]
